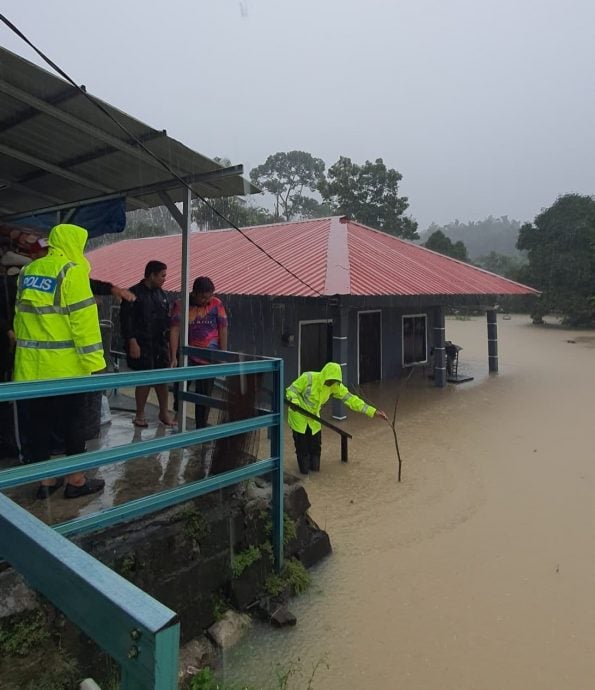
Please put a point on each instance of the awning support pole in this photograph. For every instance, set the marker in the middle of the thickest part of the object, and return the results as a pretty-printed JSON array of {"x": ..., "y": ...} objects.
[{"x": 183, "y": 360}]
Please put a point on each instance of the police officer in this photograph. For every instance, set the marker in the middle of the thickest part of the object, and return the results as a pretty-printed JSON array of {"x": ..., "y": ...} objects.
[
  {"x": 311, "y": 391},
  {"x": 57, "y": 335}
]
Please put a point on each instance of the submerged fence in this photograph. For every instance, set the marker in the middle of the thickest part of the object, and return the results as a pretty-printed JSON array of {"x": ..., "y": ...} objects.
[{"x": 137, "y": 631}]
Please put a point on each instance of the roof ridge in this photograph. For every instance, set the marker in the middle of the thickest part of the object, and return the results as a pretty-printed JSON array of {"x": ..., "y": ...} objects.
[{"x": 338, "y": 265}]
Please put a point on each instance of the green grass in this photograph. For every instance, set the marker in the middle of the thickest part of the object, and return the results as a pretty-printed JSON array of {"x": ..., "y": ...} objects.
[
  {"x": 244, "y": 560},
  {"x": 19, "y": 637}
]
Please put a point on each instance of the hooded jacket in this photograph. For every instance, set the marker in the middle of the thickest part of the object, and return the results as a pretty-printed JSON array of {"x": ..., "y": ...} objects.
[
  {"x": 56, "y": 322},
  {"x": 311, "y": 392}
]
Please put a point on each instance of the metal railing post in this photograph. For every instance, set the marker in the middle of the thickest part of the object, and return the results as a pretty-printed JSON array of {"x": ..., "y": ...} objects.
[{"x": 277, "y": 476}]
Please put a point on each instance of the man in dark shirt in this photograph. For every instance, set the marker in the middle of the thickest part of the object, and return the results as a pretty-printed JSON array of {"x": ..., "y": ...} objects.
[{"x": 145, "y": 330}]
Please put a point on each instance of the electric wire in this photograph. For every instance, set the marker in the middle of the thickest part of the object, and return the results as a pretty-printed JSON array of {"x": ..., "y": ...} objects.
[{"x": 163, "y": 163}]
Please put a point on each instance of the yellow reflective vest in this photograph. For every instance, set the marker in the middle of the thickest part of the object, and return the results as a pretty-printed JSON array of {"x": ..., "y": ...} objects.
[
  {"x": 56, "y": 322},
  {"x": 310, "y": 392}
]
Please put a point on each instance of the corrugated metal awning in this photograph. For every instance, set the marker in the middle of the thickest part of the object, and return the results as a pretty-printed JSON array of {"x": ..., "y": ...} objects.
[{"x": 57, "y": 149}]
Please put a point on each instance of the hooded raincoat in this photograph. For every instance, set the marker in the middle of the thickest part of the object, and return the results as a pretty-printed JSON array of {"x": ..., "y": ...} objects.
[
  {"x": 56, "y": 322},
  {"x": 311, "y": 392}
]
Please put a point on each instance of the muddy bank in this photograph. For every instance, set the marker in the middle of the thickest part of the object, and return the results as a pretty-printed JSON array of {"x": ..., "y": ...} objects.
[{"x": 476, "y": 571}]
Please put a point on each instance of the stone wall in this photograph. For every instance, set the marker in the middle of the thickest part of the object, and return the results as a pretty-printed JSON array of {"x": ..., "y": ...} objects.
[{"x": 198, "y": 559}]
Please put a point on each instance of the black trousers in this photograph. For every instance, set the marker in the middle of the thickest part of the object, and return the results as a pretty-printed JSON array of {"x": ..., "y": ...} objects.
[
  {"x": 307, "y": 449},
  {"x": 203, "y": 387},
  {"x": 201, "y": 413},
  {"x": 63, "y": 414}
]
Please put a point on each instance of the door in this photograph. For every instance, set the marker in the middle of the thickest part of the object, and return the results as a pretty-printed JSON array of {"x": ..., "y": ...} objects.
[
  {"x": 316, "y": 345},
  {"x": 369, "y": 346}
]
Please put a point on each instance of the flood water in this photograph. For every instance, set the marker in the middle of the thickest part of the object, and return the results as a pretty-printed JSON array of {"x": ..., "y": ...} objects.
[{"x": 477, "y": 571}]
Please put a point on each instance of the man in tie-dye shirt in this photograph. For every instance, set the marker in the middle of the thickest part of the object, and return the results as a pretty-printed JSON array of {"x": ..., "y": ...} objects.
[{"x": 207, "y": 327}]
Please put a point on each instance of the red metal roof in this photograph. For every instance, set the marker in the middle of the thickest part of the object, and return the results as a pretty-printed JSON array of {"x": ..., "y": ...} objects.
[{"x": 332, "y": 255}]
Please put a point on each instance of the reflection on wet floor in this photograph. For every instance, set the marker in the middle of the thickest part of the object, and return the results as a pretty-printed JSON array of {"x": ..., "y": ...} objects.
[
  {"x": 127, "y": 480},
  {"x": 136, "y": 478}
]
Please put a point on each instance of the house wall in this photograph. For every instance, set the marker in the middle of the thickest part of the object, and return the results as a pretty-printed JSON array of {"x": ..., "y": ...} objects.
[
  {"x": 392, "y": 341},
  {"x": 258, "y": 325},
  {"x": 269, "y": 326}
]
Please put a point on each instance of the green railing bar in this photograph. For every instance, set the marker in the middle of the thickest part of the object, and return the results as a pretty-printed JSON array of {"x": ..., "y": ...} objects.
[
  {"x": 21, "y": 390},
  {"x": 207, "y": 401},
  {"x": 104, "y": 605},
  {"x": 164, "y": 499},
  {"x": 85, "y": 461},
  {"x": 222, "y": 355}
]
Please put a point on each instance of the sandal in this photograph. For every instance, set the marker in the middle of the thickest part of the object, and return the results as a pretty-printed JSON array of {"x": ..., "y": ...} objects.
[
  {"x": 169, "y": 422},
  {"x": 44, "y": 491},
  {"x": 91, "y": 486},
  {"x": 140, "y": 421}
]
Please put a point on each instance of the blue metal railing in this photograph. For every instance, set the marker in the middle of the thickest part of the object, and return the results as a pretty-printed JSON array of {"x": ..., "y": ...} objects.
[
  {"x": 24, "y": 540},
  {"x": 137, "y": 631}
]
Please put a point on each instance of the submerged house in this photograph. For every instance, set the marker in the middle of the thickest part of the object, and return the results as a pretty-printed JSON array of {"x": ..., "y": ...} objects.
[{"x": 368, "y": 300}]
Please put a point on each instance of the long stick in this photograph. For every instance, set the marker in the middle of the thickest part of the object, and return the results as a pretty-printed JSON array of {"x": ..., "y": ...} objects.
[
  {"x": 301, "y": 410},
  {"x": 393, "y": 424}
]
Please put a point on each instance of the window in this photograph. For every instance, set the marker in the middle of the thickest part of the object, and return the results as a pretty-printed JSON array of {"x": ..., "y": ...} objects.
[{"x": 415, "y": 339}]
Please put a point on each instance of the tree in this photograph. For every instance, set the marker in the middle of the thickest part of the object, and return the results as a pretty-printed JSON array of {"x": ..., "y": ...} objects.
[
  {"x": 561, "y": 247},
  {"x": 482, "y": 236},
  {"x": 308, "y": 207},
  {"x": 369, "y": 193},
  {"x": 504, "y": 265},
  {"x": 150, "y": 222},
  {"x": 237, "y": 210},
  {"x": 439, "y": 242},
  {"x": 286, "y": 175}
]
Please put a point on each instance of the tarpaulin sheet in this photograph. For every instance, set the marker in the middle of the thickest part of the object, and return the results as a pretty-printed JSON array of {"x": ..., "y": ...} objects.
[{"x": 98, "y": 218}]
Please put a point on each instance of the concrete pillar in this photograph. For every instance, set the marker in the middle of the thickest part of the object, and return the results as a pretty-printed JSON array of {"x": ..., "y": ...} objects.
[
  {"x": 491, "y": 317},
  {"x": 340, "y": 353},
  {"x": 439, "y": 351}
]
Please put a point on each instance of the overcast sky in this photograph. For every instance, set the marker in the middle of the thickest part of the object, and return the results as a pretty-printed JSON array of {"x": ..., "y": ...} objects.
[{"x": 484, "y": 106}]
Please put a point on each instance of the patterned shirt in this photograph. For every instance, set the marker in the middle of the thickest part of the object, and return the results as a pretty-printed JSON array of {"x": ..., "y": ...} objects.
[{"x": 203, "y": 325}]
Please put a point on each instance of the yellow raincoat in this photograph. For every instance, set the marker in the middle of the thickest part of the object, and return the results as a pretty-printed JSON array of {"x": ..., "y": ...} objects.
[
  {"x": 56, "y": 322},
  {"x": 310, "y": 392}
]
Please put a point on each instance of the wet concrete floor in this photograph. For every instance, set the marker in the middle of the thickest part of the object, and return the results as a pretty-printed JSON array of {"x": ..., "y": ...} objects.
[
  {"x": 124, "y": 481},
  {"x": 477, "y": 571}
]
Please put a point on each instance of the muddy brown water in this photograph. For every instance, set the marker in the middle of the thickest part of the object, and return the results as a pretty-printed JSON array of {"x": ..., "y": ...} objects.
[{"x": 478, "y": 570}]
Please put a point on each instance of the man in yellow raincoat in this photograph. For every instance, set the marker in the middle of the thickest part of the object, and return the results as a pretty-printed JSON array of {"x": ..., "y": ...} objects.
[
  {"x": 57, "y": 335},
  {"x": 311, "y": 391}
]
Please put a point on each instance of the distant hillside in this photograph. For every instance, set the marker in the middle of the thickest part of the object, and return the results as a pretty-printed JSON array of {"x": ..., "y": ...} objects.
[{"x": 483, "y": 236}]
